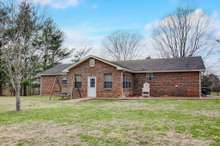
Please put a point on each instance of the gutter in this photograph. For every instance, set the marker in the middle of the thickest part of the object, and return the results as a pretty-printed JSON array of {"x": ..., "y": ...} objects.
[
  {"x": 161, "y": 71},
  {"x": 60, "y": 74}
]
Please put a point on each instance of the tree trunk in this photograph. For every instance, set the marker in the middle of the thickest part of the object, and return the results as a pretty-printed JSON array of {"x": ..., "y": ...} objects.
[
  {"x": 1, "y": 92},
  {"x": 44, "y": 63},
  {"x": 21, "y": 90},
  {"x": 24, "y": 90},
  {"x": 18, "y": 86}
]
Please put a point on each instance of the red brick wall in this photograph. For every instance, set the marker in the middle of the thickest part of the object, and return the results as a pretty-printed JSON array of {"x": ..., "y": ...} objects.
[
  {"x": 100, "y": 68},
  {"x": 169, "y": 84},
  {"x": 164, "y": 84},
  {"x": 47, "y": 83}
]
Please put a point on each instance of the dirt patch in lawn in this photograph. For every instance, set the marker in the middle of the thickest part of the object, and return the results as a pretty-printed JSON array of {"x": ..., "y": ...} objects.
[
  {"x": 125, "y": 105},
  {"x": 128, "y": 132},
  {"x": 214, "y": 114},
  {"x": 140, "y": 134},
  {"x": 40, "y": 133},
  {"x": 174, "y": 138}
]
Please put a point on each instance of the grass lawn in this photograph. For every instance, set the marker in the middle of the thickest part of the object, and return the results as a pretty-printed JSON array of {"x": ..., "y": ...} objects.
[{"x": 105, "y": 122}]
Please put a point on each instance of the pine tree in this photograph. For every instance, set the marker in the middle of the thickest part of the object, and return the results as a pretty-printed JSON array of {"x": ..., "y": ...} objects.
[{"x": 49, "y": 43}]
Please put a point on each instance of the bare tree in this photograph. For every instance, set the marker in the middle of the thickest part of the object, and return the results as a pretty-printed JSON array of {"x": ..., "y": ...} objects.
[
  {"x": 182, "y": 34},
  {"x": 17, "y": 35},
  {"x": 80, "y": 53},
  {"x": 12, "y": 52},
  {"x": 122, "y": 45}
]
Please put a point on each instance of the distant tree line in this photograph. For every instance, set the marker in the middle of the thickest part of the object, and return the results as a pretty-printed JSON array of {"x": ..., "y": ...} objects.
[{"x": 212, "y": 82}]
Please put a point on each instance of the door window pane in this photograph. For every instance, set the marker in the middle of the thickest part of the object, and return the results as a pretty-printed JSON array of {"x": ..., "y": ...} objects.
[{"x": 92, "y": 83}]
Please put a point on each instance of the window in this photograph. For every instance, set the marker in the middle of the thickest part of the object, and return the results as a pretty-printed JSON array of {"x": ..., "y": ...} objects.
[
  {"x": 108, "y": 81},
  {"x": 126, "y": 82},
  {"x": 78, "y": 82},
  {"x": 64, "y": 81},
  {"x": 92, "y": 83},
  {"x": 150, "y": 76}
]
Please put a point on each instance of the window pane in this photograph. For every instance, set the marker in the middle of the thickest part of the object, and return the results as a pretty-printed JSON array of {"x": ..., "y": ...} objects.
[
  {"x": 64, "y": 80},
  {"x": 108, "y": 77},
  {"x": 77, "y": 78},
  {"x": 78, "y": 83},
  {"x": 150, "y": 76},
  {"x": 92, "y": 83},
  {"x": 108, "y": 81},
  {"x": 107, "y": 84}
]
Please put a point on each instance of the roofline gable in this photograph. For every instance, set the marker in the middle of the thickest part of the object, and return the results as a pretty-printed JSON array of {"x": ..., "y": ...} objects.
[{"x": 94, "y": 57}]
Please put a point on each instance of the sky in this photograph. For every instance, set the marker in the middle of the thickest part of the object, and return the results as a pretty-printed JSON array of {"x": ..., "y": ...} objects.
[{"x": 87, "y": 22}]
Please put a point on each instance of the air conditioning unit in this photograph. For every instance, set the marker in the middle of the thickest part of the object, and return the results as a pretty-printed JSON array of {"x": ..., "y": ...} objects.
[{"x": 146, "y": 90}]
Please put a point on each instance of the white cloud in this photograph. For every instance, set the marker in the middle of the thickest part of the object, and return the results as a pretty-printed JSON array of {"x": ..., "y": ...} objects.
[
  {"x": 150, "y": 26},
  {"x": 80, "y": 36},
  {"x": 57, "y": 3}
]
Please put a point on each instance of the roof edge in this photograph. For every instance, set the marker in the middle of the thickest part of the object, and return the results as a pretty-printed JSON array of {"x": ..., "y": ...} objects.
[
  {"x": 94, "y": 57},
  {"x": 161, "y": 71},
  {"x": 60, "y": 74}
]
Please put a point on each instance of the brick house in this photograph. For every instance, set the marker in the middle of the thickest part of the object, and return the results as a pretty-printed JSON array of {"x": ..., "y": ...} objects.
[{"x": 97, "y": 77}]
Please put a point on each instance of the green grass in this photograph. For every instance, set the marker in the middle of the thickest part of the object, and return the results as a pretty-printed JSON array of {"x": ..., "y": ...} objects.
[{"x": 101, "y": 122}]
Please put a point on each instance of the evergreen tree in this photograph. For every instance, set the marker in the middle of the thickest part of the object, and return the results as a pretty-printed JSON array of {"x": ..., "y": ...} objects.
[{"x": 49, "y": 43}]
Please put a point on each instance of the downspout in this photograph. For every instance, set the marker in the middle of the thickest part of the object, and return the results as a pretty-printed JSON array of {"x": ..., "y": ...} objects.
[
  {"x": 122, "y": 89},
  {"x": 40, "y": 85},
  {"x": 200, "y": 85}
]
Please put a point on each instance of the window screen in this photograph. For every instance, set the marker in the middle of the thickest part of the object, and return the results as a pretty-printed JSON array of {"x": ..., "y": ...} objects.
[
  {"x": 78, "y": 83},
  {"x": 108, "y": 81}
]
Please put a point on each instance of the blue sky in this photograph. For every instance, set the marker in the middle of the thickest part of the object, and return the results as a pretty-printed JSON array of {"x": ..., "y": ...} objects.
[
  {"x": 105, "y": 16},
  {"x": 89, "y": 21}
]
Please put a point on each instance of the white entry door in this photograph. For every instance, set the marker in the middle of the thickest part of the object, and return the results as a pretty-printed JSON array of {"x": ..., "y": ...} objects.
[{"x": 91, "y": 86}]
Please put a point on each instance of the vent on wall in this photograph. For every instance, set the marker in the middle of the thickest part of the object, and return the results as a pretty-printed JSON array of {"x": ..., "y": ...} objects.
[{"x": 92, "y": 63}]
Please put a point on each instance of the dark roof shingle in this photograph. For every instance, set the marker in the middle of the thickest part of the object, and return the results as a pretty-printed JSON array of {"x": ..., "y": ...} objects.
[
  {"x": 148, "y": 65},
  {"x": 167, "y": 64},
  {"x": 56, "y": 70}
]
